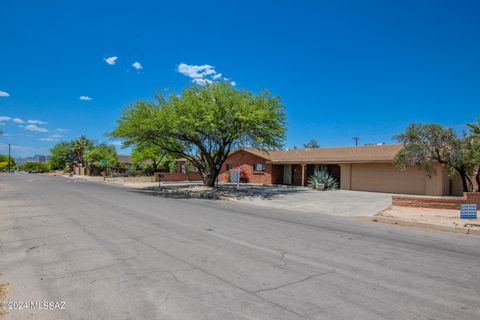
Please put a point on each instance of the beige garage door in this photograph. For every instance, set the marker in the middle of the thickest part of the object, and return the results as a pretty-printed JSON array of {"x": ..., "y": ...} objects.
[{"x": 387, "y": 178}]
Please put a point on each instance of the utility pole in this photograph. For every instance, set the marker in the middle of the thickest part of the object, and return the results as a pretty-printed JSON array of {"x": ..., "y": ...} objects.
[
  {"x": 356, "y": 140},
  {"x": 9, "y": 158}
]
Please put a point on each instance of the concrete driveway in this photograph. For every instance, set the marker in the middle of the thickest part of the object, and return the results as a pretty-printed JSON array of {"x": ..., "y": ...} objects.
[{"x": 338, "y": 202}]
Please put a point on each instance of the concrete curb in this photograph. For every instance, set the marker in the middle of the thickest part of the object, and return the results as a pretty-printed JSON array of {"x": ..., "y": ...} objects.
[{"x": 430, "y": 226}]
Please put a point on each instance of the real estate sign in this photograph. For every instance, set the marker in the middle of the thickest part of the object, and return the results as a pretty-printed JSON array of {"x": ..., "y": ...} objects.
[{"x": 468, "y": 211}]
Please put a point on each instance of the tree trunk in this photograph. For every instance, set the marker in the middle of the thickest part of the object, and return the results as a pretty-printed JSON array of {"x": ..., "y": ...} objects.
[
  {"x": 464, "y": 181},
  {"x": 477, "y": 179},
  {"x": 210, "y": 178}
]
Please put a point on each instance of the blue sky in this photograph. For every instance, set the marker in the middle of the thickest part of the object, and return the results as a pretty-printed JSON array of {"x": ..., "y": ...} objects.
[{"x": 342, "y": 68}]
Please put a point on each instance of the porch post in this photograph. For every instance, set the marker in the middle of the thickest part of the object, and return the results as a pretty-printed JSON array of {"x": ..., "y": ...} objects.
[{"x": 303, "y": 175}]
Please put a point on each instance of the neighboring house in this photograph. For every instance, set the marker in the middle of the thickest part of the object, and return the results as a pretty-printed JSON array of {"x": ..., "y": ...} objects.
[
  {"x": 78, "y": 169},
  {"x": 125, "y": 161},
  {"x": 363, "y": 168}
]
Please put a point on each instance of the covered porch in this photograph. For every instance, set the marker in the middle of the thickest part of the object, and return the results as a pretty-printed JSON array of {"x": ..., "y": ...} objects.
[{"x": 297, "y": 174}]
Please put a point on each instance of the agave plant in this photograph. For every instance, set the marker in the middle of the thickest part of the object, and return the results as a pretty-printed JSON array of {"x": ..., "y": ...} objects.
[{"x": 322, "y": 177}]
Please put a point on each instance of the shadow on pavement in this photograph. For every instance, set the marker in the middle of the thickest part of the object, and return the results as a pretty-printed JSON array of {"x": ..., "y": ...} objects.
[{"x": 223, "y": 191}]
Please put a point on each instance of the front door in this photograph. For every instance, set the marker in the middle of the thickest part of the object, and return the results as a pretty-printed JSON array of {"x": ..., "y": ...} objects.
[{"x": 287, "y": 174}]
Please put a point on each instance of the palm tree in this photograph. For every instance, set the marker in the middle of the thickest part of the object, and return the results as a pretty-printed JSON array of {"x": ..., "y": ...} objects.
[
  {"x": 80, "y": 146},
  {"x": 475, "y": 128}
]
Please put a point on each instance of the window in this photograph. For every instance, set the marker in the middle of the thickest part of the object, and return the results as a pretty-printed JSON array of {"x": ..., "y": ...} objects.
[
  {"x": 229, "y": 166},
  {"x": 258, "y": 167}
]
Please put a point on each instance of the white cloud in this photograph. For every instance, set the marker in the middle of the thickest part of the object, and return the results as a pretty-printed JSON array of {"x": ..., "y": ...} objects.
[
  {"x": 36, "y": 121},
  {"x": 53, "y": 137},
  {"x": 111, "y": 60},
  {"x": 61, "y": 130},
  {"x": 5, "y": 118},
  {"x": 4, "y": 94},
  {"x": 202, "y": 74},
  {"x": 116, "y": 143},
  {"x": 85, "y": 98},
  {"x": 32, "y": 127},
  {"x": 195, "y": 72},
  {"x": 137, "y": 65},
  {"x": 18, "y": 120},
  {"x": 233, "y": 83},
  {"x": 201, "y": 81}
]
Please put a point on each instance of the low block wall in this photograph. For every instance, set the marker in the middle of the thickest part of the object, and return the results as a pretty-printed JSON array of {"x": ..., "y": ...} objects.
[
  {"x": 437, "y": 202},
  {"x": 168, "y": 176}
]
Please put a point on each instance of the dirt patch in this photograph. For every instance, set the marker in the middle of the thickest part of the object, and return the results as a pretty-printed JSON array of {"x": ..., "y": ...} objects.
[
  {"x": 440, "y": 217},
  {"x": 3, "y": 294}
]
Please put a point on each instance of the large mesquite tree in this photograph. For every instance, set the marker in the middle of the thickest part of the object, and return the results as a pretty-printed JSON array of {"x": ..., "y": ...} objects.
[
  {"x": 474, "y": 139},
  {"x": 427, "y": 144},
  {"x": 204, "y": 124}
]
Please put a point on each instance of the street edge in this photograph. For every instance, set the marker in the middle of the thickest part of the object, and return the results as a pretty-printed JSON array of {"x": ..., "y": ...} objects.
[{"x": 430, "y": 226}]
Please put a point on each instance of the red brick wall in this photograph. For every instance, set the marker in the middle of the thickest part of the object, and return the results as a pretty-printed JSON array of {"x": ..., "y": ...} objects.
[
  {"x": 437, "y": 203},
  {"x": 246, "y": 160},
  {"x": 169, "y": 176},
  {"x": 472, "y": 197},
  {"x": 425, "y": 202}
]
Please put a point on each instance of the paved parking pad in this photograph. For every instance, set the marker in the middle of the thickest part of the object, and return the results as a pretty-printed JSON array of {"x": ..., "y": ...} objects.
[{"x": 338, "y": 202}]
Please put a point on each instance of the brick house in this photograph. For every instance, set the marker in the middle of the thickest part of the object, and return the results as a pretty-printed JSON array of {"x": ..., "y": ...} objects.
[{"x": 362, "y": 168}]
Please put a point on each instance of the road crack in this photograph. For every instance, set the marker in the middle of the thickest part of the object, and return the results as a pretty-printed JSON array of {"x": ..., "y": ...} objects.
[{"x": 294, "y": 282}]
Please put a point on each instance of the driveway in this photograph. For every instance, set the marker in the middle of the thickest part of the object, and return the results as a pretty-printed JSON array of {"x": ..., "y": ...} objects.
[{"x": 338, "y": 202}]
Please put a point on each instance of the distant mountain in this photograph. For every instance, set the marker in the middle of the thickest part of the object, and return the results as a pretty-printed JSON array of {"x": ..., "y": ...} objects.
[{"x": 35, "y": 158}]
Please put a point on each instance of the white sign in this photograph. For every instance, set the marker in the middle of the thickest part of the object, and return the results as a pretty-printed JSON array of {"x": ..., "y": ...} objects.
[{"x": 235, "y": 177}]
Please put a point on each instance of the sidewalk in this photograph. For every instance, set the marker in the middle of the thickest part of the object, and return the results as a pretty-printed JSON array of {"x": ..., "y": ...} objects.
[
  {"x": 434, "y": 219},
  {"x": 131, "y": 182}
]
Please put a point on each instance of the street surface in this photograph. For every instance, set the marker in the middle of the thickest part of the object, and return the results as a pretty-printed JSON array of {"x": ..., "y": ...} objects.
[{"x": 110, "y": 252}]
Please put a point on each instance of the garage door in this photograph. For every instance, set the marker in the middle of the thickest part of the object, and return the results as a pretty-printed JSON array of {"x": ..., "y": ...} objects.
[{"x": 387, "y": 178}]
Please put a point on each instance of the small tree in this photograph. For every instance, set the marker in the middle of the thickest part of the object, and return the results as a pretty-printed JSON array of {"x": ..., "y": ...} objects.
[
  {"x": 62, "y": 155},
  {"x": 151, "y": 155},
  {"x": 101, "y": 152},
  {"x": 427, "y": 144},
  {"x": 312, "y": 144},
  {"x": 4, "y": 163},
  {"x": 203, "y": 124}
]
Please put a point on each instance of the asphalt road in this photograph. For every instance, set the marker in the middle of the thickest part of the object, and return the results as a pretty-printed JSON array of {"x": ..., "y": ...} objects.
[{"x": 113, "y": 253}]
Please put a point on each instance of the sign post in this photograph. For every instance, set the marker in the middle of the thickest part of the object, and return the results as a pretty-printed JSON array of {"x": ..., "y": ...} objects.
[
  {"x": 104, "y": 164},
  {"x": 235, "y": 177},
  {"x": 160, "y": 176}
]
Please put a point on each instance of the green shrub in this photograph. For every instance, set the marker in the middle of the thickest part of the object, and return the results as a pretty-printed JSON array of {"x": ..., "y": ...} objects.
[
  {"x": 323, "y": 177},
  {"x": 35, "y": 167}
]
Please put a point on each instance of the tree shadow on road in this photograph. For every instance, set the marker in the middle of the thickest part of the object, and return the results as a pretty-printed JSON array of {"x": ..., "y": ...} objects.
[{"x": 222, "y": 192}]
